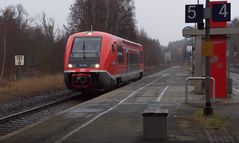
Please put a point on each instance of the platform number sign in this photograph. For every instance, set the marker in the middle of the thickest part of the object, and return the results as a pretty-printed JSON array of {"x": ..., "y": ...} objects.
[
  {"x": 221, "y": 12},
  {"x": 19, "y": 60},
  {"x": 194, "y": 13}
]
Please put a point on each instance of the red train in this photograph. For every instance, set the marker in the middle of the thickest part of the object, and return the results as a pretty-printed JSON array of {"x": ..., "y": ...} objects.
[{"x": 98, "y": 60}]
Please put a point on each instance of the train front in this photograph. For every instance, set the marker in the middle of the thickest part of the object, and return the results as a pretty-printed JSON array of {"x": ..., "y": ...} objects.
[
  {"x": 82, "y": 56},
  {"x": 87, "y": 63}
]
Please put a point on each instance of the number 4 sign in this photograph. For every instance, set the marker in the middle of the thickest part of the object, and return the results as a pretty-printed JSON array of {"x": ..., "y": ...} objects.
[{"x": 221, "y": 12}]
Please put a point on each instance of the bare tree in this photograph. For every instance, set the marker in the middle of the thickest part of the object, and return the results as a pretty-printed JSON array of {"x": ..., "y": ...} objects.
[
  {"x": 113, "y": 16},
  {"x": 43, "y": 49},
  {"x": 153, "y": 50}
]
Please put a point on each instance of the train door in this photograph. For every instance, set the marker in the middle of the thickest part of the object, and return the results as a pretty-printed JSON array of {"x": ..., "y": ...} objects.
[
  {"x": 133, "y": 61},
  {"x": 120, "y": 54},
  {"x": 114, "y": 60},
  {"x": 128, "y": 62},
  {"x": 141, "y": 59},
  {"x": 138, "y": 60}
]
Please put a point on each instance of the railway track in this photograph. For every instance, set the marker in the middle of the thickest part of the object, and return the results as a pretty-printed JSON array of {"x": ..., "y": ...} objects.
[
  {"x": 24, "y": 118},
  {"x": 4, "y": 119}
]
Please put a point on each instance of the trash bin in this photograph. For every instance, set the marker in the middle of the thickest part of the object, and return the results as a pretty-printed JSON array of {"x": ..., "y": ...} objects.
[{"x": 155, "y": 124}]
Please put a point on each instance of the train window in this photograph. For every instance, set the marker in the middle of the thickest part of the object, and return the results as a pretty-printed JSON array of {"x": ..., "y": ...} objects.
[
  {"x": 86, "y": 47},
  {"x": 133, "y": 61},
  {"x": 120, "y": 55}
]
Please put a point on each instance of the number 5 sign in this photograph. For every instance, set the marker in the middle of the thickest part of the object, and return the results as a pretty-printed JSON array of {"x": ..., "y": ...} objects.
[
  {"x": 194, "y": 13},
  {"x": 221, "y": 12}
]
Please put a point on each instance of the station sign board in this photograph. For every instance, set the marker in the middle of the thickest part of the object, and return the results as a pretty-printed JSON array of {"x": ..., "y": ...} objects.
[
  {"x": 221, "y": 12},
  {"x": 194, "y": 13},
  {"x": 207, "y": 48},
  {"x": 19, "y": 60}
]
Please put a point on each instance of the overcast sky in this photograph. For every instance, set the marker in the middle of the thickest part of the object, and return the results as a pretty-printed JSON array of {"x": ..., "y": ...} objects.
[{"x": 162, "y": 19}]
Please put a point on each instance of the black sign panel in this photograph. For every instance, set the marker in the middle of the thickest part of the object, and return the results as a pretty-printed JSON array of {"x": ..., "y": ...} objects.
[
  {"x": 221, "y": 12},
  {"x": 194, "y": 13}
]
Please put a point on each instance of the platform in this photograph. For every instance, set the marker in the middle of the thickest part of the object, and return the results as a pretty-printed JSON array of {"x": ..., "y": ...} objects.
[{"x": 116, "y": 117}]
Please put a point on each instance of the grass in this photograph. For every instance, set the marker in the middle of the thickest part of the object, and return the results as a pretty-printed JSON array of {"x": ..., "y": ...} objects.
[
  {"x": 31, "y": 86},
  {"x": 210, "y": 122}
]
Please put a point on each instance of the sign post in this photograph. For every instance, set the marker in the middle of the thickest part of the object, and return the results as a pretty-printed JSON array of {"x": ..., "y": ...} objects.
[
  {"x": 235, "y": 55},
  {"x": 208, "y": 108},
  {"x": 220, "y": 12},
  {"x": 19, "y": 61}
]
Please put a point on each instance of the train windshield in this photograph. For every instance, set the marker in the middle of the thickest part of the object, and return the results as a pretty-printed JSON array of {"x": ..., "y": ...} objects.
[
  {"x": 85, "y": 52},
  {"x": 86, "y": 47}
]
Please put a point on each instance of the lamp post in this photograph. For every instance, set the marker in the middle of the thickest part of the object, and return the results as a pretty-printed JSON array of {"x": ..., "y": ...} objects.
[
  {"x": 234, "y": 56},
  {"x": 208, "y": 109}
]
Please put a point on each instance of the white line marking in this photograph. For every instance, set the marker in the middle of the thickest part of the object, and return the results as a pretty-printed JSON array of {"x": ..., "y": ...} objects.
[
  {"x": 159, "y": 73},
  {"x": 236, "y": 90},
  {"x": 101, "y": 114},
  {"x": 234, "y": 76},
  {"x": 162, "y": 94},
  {"x": 164, "y": 75}
]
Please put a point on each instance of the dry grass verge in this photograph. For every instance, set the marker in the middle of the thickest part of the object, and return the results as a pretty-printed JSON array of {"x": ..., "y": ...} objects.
[
  {"x": 210, "y": 122},
  {"x": 30, "y": 86}
]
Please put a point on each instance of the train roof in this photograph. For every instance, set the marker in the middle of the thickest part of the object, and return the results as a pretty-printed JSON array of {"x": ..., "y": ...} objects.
[{"x": 99, "y": 33}]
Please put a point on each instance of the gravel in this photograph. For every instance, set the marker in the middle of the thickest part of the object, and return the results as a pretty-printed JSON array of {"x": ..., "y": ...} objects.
[{"x": 18, "y": 104}]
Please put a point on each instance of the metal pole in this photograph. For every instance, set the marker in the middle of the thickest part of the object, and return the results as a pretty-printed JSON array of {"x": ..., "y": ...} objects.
[
  {"x": 193, "y": 50},
  {"x": 4, "y": 50},
  {"x": 234, "y": 57},
  {"x": 229, "y": 92},
  {"x": 208, "y": 109},
  {"x": 20, "y": 72},
  {"x": 193, "y": 57}
]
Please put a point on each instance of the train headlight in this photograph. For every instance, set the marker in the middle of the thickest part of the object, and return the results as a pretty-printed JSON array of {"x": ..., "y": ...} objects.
[
  {"x": 70, "y": 66},
  {"x": 97, "y": 65}
]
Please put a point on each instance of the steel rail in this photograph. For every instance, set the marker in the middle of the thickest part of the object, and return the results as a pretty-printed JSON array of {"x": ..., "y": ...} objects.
[{"x": 13, "y": 116}]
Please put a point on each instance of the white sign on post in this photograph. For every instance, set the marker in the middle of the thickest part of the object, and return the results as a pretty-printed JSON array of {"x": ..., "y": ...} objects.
[
  {"x": 189, "y": 48},
  {"x": 19, "y": 60}
]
